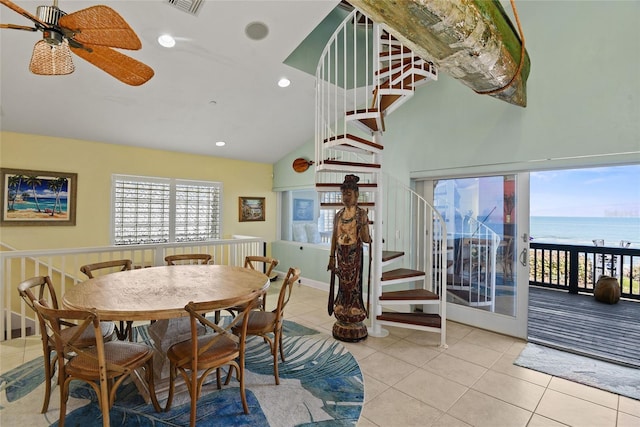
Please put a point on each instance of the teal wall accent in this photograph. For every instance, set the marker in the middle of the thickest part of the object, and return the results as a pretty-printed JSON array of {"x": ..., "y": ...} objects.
[
  {"x": 288, "y": 179},
  {"x": 306, "y": 56},
  {"x": 311, "y": 259}
]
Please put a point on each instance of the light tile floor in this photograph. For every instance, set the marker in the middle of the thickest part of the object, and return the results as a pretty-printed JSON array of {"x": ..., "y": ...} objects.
[{"x": 410, "y": 381}]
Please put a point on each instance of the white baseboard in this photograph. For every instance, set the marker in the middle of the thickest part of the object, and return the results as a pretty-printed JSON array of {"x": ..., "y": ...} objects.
[{"x": 307, "y": 282}]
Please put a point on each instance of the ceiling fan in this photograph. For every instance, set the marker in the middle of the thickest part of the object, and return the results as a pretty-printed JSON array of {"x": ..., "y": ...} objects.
[{"x": 90, "y": 33}]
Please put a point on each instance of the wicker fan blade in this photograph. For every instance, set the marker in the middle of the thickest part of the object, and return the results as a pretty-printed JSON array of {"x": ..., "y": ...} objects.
[
  {"x": 120, "y": 66},
  {"x": 18, "y": 27},
  {"x": 51, "y": 60},
  {"x": 11, "y": 5},
  {"x": 102, "y": 26}
]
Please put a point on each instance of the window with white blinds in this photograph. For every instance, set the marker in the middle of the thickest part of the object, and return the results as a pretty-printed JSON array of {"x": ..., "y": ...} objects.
[
  {"x": 328, "y": 214},
  {"x": 160, "y": 210},
  {"x": 197, "y": 211}
]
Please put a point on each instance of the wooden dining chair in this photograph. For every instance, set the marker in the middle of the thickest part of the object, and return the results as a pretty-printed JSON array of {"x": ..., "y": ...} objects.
[
  {"x": 190, "y": 259},
  {"x": 203, "y": 354},
  {"x": 268, "y": 324},
  {"x": 41, "y": 289},
  {"x": 103, "y": 366},
  {"x": 125, "y": 329},
  {"x": 260, "y": 264},
  {"x": 178, "y": 259}
]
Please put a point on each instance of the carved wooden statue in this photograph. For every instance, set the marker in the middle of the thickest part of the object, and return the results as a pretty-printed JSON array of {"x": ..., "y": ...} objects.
[{"x": 350, "y": 231}]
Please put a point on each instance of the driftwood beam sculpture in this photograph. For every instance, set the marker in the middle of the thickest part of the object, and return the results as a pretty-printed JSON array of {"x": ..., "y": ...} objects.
[{"x": 473, "y": 41}]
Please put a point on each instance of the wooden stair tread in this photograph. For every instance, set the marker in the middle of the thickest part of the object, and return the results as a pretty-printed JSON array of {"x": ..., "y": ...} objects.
[
  {"x": 421, "y": 319},
  {"x": 344, "y": 163},
  {"x": 387, "y": 101},
  {"x": 367, "y": 119},
  {"x": 389, "y": 255},
  {"x": 396, "y": 51},
  {"x": 340, "y": 204},
  {"x": 409, "y": 294},
  {"x": 338, "y": 184},
  {"x": 401, "y": 273},
  {"x": 363, "y": 111},
  {"x": 355, "y": 138},
  {"x": 404, "y": 85},
  {"x": 400, "y": 65}
]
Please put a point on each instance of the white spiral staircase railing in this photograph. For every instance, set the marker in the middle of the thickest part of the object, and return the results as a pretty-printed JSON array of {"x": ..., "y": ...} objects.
[{"x": 364, "y": 74}]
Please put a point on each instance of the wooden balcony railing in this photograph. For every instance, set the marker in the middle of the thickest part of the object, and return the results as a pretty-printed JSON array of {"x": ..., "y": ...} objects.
[{"x": 576, "y": 269}]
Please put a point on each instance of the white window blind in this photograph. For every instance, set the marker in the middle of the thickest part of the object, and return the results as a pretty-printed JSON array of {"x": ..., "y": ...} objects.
[
  {"x": 197, "y": 212},
  {"x": 328, "y": 214},
  {"x": 159, "y": 210}
]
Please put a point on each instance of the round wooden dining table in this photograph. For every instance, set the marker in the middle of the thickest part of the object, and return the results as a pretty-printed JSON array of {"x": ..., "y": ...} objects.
[
  {"x": 161, "y": 294},
  {"x": 156, "y": 293}
]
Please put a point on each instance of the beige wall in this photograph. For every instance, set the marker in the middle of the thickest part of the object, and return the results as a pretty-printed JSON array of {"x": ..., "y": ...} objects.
[{"x": 96, "y": 162}]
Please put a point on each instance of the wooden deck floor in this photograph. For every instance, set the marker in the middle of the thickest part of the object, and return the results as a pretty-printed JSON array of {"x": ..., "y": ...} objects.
[{"x": 582, "y": 325}]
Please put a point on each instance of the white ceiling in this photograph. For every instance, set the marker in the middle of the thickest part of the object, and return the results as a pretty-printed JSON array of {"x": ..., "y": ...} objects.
[{"x": 215, "y": 84}]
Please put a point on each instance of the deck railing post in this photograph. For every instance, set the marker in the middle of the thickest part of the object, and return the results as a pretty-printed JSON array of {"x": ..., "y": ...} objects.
[{"x": 573, "y": 271}]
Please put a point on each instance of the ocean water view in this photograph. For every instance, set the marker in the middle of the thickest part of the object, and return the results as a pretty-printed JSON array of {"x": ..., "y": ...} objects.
[
  {"x": 583, "y": 230},
  {"x": 29, "y": 203}
]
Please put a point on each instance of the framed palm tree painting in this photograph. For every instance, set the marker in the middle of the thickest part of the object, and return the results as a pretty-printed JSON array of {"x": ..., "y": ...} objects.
[{"x": 32, "y": 197}]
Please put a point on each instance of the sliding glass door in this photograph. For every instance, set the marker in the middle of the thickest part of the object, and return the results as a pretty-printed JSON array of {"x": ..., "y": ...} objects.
[{"x": 487, "y": 220}]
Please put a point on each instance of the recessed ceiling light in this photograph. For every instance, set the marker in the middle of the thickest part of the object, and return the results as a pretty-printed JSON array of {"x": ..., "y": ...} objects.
[
  {"x": 221, "y": 143},
  {"x": 166, "y": 40},
  {"x": 284, "y": 82}
]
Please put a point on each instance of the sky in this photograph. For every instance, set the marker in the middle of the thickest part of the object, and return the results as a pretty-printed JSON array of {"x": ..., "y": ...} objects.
[{"x": 594, "y": 192}]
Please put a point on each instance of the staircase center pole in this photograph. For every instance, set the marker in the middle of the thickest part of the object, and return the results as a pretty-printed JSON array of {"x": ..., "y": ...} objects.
[{"x": 375, "y": 330}]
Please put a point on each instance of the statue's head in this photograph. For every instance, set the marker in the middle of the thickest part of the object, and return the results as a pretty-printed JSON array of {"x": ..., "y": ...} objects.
[{"x": 350, "y": 183}]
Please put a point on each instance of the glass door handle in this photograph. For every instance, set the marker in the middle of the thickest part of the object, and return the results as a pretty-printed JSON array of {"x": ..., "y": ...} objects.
[{"x": 524, "y": 257}]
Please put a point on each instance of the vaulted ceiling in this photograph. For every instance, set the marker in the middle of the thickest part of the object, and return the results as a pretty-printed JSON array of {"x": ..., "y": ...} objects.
[{"x": 217, "y": 83}]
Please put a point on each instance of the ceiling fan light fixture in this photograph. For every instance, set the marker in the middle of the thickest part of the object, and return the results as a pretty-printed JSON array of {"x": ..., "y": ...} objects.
[{"x": 50, "y": 59}]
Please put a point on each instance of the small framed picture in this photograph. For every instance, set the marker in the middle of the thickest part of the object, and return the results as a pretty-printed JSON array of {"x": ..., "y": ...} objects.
[
  {"x": 251, "y": 209},
  {"x": 37, "y": 197}
]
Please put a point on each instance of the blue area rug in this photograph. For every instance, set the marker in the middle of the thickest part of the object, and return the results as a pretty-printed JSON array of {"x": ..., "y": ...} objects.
[
  {"x": 320, "y": 384},
  {"x": 607, "y": 376}
]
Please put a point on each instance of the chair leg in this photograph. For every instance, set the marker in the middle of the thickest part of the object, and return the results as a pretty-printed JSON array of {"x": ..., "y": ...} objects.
[
  {"x": 64, "y": 395},
  {"x": 230, "y": 373},
  {"x": 243, "y": 394},
  {"x": 121, "y": 332},
  {"x": 172, "y": 378},
  {"x": 105, "y": 403},
  {"x": 275, "y": 351},
  {"x": 129, "y": 330},
  {"x": 152, "y": 386},
  {"x": 49, "y": 369},
  {"x": 193, "y": 391},
  {"x": 280, "y": 346}
]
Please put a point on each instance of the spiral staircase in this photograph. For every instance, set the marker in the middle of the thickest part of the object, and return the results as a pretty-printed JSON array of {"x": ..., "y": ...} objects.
[{"x": 364, "y": 74}]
